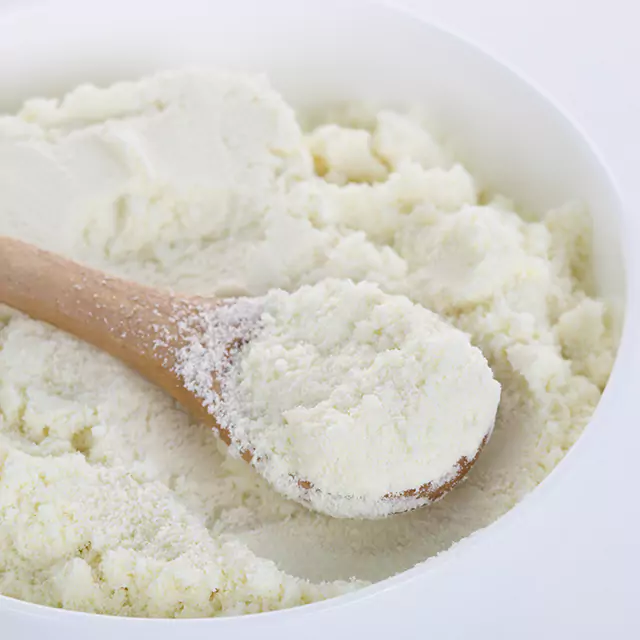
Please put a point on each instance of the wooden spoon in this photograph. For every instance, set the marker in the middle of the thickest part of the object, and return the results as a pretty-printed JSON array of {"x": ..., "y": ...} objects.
[{"x": 137, "y": 325}]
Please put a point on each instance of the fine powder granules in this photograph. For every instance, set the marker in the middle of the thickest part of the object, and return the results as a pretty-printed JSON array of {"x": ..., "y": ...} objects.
[
  {"x": 363, "y": 395},
  {"x": 111, "y": 499}
]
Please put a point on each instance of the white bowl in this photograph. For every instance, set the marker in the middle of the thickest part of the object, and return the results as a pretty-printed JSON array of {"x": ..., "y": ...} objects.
[{"x": 537, "y": 565}]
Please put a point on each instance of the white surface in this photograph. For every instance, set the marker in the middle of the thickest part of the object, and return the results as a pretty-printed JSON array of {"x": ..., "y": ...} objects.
[{"x": 563, "y": 565}]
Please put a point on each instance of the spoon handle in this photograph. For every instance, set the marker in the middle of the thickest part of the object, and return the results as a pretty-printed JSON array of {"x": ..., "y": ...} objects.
[{"x": 123, "y": 318}]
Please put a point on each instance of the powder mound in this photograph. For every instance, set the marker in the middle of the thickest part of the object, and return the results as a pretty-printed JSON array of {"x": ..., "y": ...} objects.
[
  {"x": 205, "y": 183},
  {"x": 360, "y": 393}
]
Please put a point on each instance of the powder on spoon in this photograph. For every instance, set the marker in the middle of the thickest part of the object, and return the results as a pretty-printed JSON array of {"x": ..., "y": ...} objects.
[{"x": 360, "y": 393}]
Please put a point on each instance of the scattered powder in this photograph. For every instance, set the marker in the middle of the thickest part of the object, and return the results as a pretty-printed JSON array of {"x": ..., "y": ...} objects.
[
  {"x": 111, "y": 499},
  {"x": 345, "y": 387},
  {"x": 213, "y": 336}
]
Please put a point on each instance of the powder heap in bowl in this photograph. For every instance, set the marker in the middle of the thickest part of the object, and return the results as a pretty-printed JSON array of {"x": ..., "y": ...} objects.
[{"x": 111, "y": 499}]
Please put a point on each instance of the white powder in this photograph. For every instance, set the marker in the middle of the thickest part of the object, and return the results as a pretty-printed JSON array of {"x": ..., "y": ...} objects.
[
  {"x": 111, "y": 500},
  {"x": 364, "y": 395}
]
